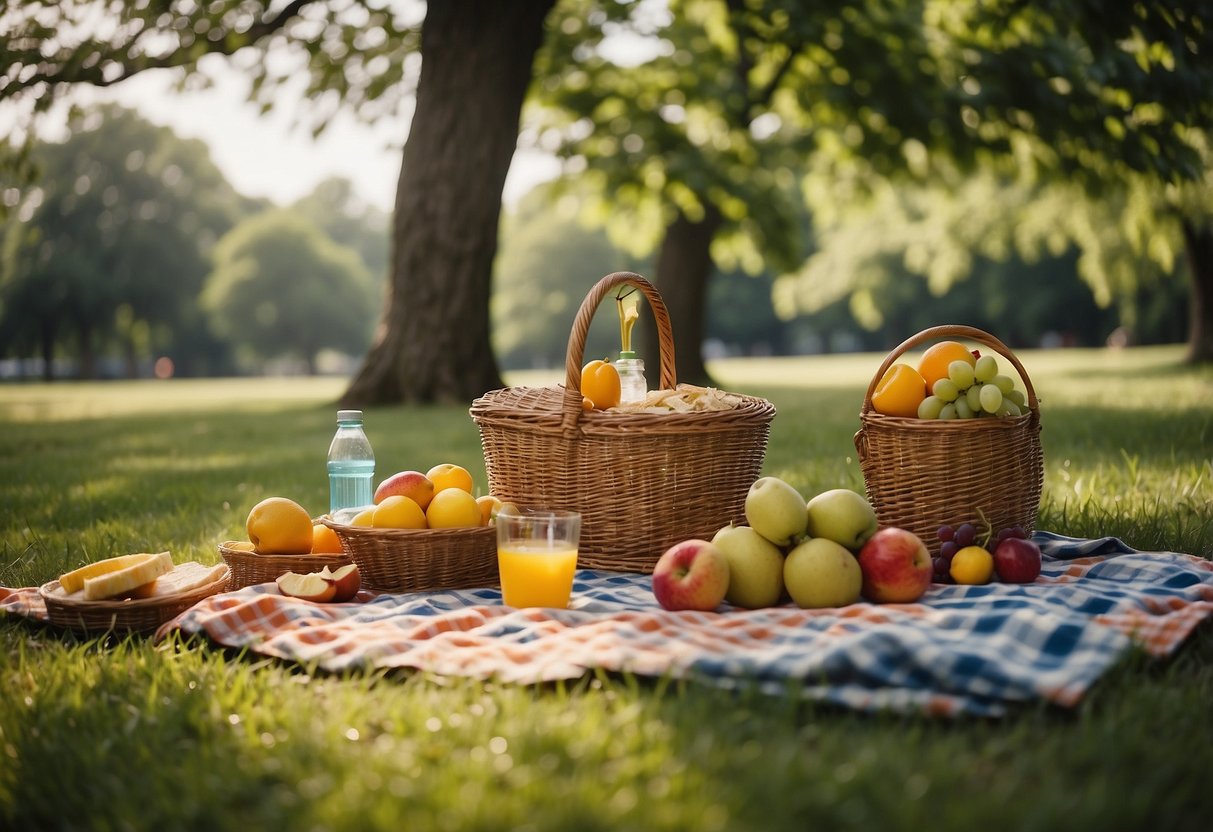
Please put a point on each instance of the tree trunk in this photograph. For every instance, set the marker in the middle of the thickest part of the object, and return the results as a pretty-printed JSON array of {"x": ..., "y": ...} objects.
[
  {"x": 1199, "y": 243},
  {"x": 433, "y": 344},
  {"x": 88, "y": 358},
  {"x": 48, "y": 334},
  {"x": 684, "y": 265}
]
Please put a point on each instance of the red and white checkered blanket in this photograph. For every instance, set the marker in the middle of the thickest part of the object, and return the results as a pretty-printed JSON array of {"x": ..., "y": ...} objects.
[{"x": 959, "y": 650}]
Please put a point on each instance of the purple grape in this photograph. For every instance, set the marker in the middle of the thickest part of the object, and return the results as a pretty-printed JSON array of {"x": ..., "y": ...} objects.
[
  {"x": 945, "y": 533},
  {"x": 1017, "y": 531},
  {"x": 940, "y": 572},
  {"x": 1003, "y": 534},
  {"x": 966, "y": 533},
  {"x": 947, "y": 550}
]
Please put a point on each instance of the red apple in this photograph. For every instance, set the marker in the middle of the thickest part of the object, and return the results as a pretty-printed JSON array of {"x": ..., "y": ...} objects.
[
  {"x": 310, "y": 587},
  {"x": 1017, "y": 561},
  {"x": 896, "y": 566},
  {"x": 347, "y": 580},
  {"x": 412, "y": 484},
  {"x": 691, "y": 575}
]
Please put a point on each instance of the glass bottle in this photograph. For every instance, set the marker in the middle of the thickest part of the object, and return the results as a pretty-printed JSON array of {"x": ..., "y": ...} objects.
[
  {"x": 632, "y": 384},
  {"x": 351, "y": 463}
]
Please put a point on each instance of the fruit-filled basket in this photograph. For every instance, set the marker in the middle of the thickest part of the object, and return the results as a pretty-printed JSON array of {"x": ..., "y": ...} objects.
[
  {"x": 642, "y": 480},
  {"x": 413, "y": 560},
  {"x": 250, "y": 567},
  {"x": 924, "y": 472}
]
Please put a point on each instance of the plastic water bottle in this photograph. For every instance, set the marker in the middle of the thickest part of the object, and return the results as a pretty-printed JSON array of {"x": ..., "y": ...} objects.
[
  {"x": 351, "y": 463},
  {"x": 632, "y": 384}
]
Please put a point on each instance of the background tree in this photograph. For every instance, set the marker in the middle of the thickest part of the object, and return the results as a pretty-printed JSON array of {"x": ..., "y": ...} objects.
[
  {"x": 349, "y": 221},
  {"x": 114, "y": 241},
  {"x": 433, "y": 343},
  {"x": 547, "y": 263},
  {"x": 1124, "y": 248},
  {"x": 695, "y": 140},
  {"x": 281, "y": 288}
]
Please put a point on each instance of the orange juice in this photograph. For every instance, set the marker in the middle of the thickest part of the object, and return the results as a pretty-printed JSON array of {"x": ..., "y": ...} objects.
[{"x": 537, "y": 573}]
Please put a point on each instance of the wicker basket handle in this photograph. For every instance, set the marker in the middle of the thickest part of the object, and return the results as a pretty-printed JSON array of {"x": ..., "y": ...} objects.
[
  {"x": 575, "y": 356},
  {"x": 949, "y": 331}
]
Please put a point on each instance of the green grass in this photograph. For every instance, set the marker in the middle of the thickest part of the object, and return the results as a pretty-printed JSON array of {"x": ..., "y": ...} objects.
[{"x": 118, "y": 734}]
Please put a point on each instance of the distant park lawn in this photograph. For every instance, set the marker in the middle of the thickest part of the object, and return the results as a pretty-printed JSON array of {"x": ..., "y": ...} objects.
[{"x": 105, "y": 734}]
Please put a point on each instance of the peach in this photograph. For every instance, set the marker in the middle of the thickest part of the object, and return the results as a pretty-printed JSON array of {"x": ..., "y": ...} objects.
[
  {"x": 279, "y": 526},
  {"x": 364, "y": 518},
  {"x": 398, "y": 512},
  {"x": 324, "y": 539},
  {"x": 448, "y": 475},
  {"x": 453, "y": 508},
  {"x": 489, "y": 507},
  {"x": 412, "y": 484}
]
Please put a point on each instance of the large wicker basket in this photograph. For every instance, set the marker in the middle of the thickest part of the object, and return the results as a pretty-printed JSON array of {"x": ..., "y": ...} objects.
[
  {"x": 923, "y": 473},
  {"x": 415, "y": 560},
  {"x": 642, "y": 481}
]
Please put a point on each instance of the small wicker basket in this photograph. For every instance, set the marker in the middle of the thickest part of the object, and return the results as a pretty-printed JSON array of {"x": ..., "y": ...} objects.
[
  {"x": 923, "y": 473},
  {"x": 642, "y": 481},
  {"x": 129, "y": 615},
  {"x": 249, "y": 567},
  {"x": 416, "y": 560}
]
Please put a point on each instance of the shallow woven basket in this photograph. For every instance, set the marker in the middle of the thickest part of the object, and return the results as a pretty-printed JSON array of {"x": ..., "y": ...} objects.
[
  {"x": 415, "y": 560},
  {"x": 642, "y": 481},
  {"x": 131, "y": 615},
  {"x": 923, "y": 473},
  {"x": 250, "y": 568}
]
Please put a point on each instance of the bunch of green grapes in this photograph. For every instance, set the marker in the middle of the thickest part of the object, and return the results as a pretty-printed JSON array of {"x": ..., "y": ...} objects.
[{"x": 973, "y": 390}]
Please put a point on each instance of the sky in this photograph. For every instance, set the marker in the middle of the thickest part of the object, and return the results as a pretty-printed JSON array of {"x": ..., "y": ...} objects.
[{"x": 270, "y": 156}]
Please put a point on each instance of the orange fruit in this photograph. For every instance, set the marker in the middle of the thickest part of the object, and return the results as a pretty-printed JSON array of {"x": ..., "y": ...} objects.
[
  {"x": 279, "y": 526},
  {"x": 900, "y": 391},
  {"x": 448, "y": 475},
  {"x": 934, "y": 362},
  {"x": 600, "y": 384},
  {"x": 324, "y": 539}
]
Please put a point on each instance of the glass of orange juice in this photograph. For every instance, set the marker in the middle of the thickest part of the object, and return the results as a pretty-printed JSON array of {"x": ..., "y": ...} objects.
[{"x": 536, "y": 557}]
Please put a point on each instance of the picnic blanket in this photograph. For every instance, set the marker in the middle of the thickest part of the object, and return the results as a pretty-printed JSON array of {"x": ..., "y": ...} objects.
[{"x": 959, "y": 650}]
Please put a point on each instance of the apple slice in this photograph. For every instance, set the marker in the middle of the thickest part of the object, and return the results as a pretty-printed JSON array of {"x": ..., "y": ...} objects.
[
  {"x": 310, "y": 587},
  {"x": 347, "y": 580}
]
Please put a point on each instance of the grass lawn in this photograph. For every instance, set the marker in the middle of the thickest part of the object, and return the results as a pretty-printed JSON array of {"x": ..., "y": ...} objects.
[{"x": 108, "y": 734}]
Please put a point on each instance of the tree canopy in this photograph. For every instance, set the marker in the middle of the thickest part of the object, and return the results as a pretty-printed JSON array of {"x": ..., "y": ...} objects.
[
  {"x": 280, "y": 288},
  {"x": 114, "y": 241},
  {"x": 736, "y": 100}
]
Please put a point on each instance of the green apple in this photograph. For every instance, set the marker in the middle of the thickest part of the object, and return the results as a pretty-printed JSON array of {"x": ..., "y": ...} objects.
[
  {"x": 755, "y": 567},
  {"x": 842, "y": 516},
  {"x": 821, "y": 573},
  {"x": 775, "y": 510}
]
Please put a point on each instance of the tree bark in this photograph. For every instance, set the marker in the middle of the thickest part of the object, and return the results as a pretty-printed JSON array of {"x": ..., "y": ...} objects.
[
  {"x": 1199, "y": 244},
  {"x": 433, "y": 343},
  {"x": 48, "y": 334},
  {"x": 684, "y": 265}
]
